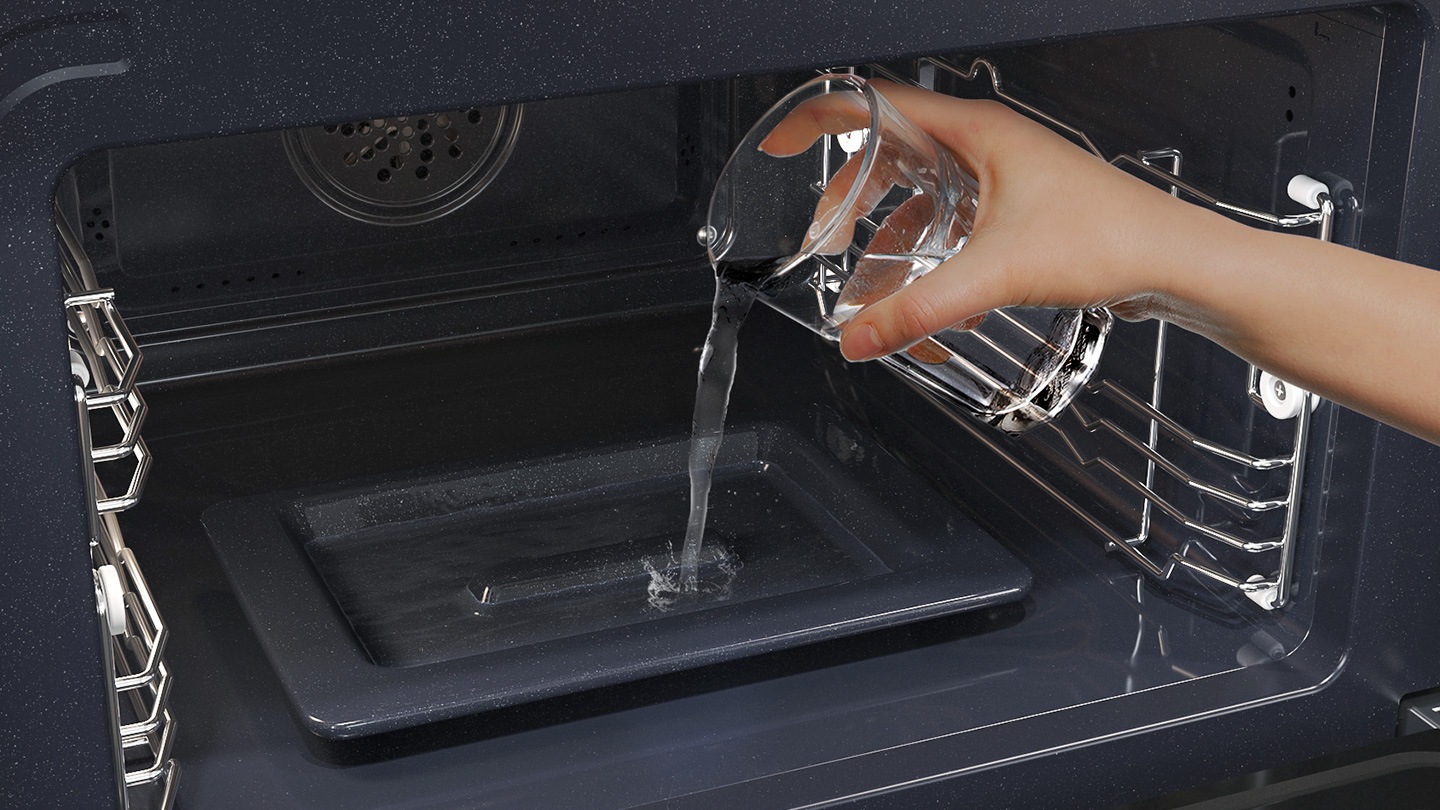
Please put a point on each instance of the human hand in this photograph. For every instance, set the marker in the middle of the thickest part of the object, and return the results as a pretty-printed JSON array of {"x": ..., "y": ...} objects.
[{"x": 1055, "y": 226}]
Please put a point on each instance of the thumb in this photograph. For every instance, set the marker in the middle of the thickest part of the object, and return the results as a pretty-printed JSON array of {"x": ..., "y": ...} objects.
[{"x": 970, "y": 283}]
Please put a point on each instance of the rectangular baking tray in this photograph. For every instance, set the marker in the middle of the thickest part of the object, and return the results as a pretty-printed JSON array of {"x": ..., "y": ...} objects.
[{"x": 393, "y": 602}]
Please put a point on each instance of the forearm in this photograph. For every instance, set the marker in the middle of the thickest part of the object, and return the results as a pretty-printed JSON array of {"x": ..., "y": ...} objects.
[
  {"x": 1358, "y": 329},
  {"x": 1352, "y": 327}
]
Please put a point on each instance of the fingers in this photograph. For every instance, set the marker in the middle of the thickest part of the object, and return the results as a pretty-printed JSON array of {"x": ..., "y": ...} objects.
[
  {"x": 930, "y": 352},
  {"x": 970, "y": 128},
  {"x": 830, "y": 114},
  {"x": 968, "y": 285},
  {"x": 884, "y": 314},
  {"x": 877, "y": 277},
  {"x": 967, "y": 126},
  {"x": 884, "y": 175},
  {"x": 837, "y": 113},
  {"x": 876, "y": 185}
]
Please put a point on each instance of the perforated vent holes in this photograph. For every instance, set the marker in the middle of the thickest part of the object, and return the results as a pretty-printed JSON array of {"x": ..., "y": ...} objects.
[
  {"x": 222, "y": 282},
  {"x": 405, "y": 170},
  {"x": 97, "y": 224}
]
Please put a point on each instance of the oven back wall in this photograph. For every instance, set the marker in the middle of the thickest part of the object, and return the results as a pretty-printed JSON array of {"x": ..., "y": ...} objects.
[{"x": 201, "y": 232}]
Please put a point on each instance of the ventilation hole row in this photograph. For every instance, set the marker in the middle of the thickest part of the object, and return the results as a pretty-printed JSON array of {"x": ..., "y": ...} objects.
[
  {"x": 402, "y": 124},
  {"x": 400, "y": 127},
  {"x": 421, "y": 172},
  {"x": 225, "y": 282},
  {"x": 560, "y": 236}
]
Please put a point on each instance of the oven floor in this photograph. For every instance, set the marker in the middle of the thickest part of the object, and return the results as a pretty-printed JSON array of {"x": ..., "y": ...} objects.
[{"x": 1088, "y": 630}]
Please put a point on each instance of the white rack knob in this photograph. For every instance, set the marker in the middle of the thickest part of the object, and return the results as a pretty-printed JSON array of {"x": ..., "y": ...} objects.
[
  {"x": 1306, "y": 190},
  {"x": 78, "y": 368},
  {"x": 853, "y": 141},
  {"x": 114, "y": 594},
  {"x": 1264, "y": 597},
  {"x": 1284, "y": 400}
]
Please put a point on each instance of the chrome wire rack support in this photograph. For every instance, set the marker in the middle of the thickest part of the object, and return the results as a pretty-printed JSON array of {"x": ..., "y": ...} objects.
[
  {"x": 105, "y": 363},
  {"x": 1167, "y": 451}
]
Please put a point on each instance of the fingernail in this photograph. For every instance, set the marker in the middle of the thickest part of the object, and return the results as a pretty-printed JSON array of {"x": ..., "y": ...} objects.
[{"x": 860, "y": 343}]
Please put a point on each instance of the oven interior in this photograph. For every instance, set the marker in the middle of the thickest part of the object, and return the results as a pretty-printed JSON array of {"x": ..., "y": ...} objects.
[{"x": 349, "y": 364}]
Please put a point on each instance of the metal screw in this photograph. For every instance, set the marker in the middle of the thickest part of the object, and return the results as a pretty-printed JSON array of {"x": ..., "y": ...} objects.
[
  {"x": 705, "y": 236},
  {"x": 1280, "y": 390}
]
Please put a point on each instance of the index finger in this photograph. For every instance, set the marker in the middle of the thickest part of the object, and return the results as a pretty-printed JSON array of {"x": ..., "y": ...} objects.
[{"x": 830, "y": 114}]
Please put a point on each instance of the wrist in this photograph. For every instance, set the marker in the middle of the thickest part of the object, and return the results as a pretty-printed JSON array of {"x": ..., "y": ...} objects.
[{"x": 1208, "y": 267}]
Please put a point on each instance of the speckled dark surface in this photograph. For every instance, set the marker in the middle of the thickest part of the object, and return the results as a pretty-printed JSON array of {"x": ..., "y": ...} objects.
[{"x": 75, "y": 76}]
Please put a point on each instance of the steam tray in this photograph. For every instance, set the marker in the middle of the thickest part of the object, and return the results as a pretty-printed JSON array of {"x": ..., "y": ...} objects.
[{"x": 390, "y": 603}]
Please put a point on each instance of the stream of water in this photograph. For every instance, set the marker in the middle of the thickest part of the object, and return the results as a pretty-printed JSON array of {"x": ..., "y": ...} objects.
[{"x": 733, "y": 299}]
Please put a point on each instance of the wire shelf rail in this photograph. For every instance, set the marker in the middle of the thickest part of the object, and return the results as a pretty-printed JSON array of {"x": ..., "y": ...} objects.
[
  {"x": 1147, "y": 462},
  {"x": 105, "y": 363}
]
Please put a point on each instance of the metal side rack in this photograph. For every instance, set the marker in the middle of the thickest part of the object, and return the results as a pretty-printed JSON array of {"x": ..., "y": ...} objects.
[
  {"x": 105, "y": 361},
  {"x": 1163, "y": 494}
]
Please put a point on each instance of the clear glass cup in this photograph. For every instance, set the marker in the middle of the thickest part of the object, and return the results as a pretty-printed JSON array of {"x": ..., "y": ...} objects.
[{"x": 834, "y": 200}]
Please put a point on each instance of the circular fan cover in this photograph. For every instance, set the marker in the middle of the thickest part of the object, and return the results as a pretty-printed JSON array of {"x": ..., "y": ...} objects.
[{"x": 405, "y": 170}]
